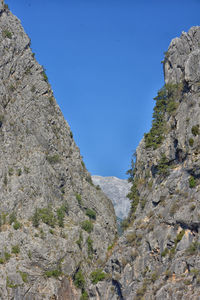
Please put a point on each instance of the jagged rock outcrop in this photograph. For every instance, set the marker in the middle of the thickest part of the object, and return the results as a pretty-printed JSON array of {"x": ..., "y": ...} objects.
[
  {"x": 55, "y": 225},
  {"x": 158, "y": 255},
  {"x": 116, "y": 189}
]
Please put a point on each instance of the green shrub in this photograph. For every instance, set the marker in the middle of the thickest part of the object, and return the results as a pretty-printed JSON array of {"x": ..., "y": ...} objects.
[
  {"x": 87, "y": 226},
  {"x": 111, "y": 246},
  {"x": 84, "y": 296},
  {"x": 191, "y": 142},
  {"x": 54, "y": 159},
  {"x": 15, "y": 249},
  {"x": 165, "y": 252},
  {"x": 44, "y": 75},
  {"x": 154, "y": 277},
  {"x": 53, "y": 273},
  {"x": 171, "y": 107},
  {"x": 17, "y": 225},
  {"x": 10, "y": 171},
  {"x": 192, "y": 182},
  {"x": 79, "y": 199},
  {"x": 163, "y": 165},
  {"x": 60, "y": 215},
  {"x": 195, "y": 130},
  {"x": 91, "y": 213},
  {"x": 195, "y": 272},
  {"x": 47, "y": 216},
  {"x": 2, "y": 260},
  {"x": 10, "y": 284},
  {"x": 42, "y": 234},
  {"x": 179, "y": 236},
  {"x": 176, "y": 241},
  {"x": 19, "y": 172},
  {"x": 193, "y": 248},
  {"x": 7, "y": 34},
  {"x": 79, "y": 280},
  {"x": 24, "y": 276},
  {"x": 7, "y": 256},
  {"x": 90, "y": 246},
  {"x": 97, "y": 276}
]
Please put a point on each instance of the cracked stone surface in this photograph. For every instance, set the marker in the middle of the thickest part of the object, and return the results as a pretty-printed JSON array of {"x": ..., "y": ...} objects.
[
  {"x": 158, "y": 255},
  {"x": 43, "y": 176}
]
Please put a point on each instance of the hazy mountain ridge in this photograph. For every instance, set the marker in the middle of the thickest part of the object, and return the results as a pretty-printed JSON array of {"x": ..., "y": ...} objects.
[{"x": 116, "y": 189}]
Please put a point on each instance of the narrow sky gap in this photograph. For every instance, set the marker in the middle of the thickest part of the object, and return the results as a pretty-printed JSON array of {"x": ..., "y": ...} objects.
[{"x": 103, "y": 60}]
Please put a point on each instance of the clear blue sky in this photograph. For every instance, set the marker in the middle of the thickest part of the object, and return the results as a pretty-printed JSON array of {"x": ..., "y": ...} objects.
[{"x": 103, "y": 60}]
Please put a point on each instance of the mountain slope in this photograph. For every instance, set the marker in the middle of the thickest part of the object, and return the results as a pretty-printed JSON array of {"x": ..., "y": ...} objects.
[
  {"x": 158, "y": 255},
  {"x": 54, "y": 223},
  {"x": 116, "y": 189}
]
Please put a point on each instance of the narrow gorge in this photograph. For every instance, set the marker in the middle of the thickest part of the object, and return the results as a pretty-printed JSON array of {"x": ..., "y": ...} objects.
[{"x": 58, "y": 230}]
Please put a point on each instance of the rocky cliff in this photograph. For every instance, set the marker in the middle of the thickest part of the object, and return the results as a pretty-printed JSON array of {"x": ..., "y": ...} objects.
[
  {"x": 158, "y": 255},
  {"x": 57, "y": 238},
  {"x": 116, "y": 189},
  {"x": 55, "y": 225}
]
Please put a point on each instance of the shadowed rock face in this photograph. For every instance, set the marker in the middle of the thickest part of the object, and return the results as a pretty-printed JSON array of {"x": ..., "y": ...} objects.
[
  {"x": 116, "y": 189},
  {"x": 46, "y": 192},
  {"x": 158, "y": 255}
]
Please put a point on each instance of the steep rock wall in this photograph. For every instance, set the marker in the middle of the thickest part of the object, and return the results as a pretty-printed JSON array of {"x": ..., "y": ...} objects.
[
  {"x": 54, "y": 223},
  {"x": 158, "y": 255}
]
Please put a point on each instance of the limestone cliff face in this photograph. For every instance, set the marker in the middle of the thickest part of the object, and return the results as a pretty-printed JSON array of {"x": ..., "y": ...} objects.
[
  {"x": 158, "y": 255},
  {"x": 54, "y": 222}
]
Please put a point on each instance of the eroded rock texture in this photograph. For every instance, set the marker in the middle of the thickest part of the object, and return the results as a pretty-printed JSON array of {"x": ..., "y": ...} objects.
[
  {"x": 57, "y": 238},
  {"x": 158, "y": 256},
  {"x": 54, "y": 222}
]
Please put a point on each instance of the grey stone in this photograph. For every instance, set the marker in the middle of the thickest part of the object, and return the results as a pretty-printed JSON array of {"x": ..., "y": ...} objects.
[
  {"x": 40, "y": 168},
  {"x": 164, "y": 231}
]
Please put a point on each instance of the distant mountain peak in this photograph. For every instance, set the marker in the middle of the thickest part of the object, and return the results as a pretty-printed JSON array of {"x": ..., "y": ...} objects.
[{"x": 116, "y": 189}]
